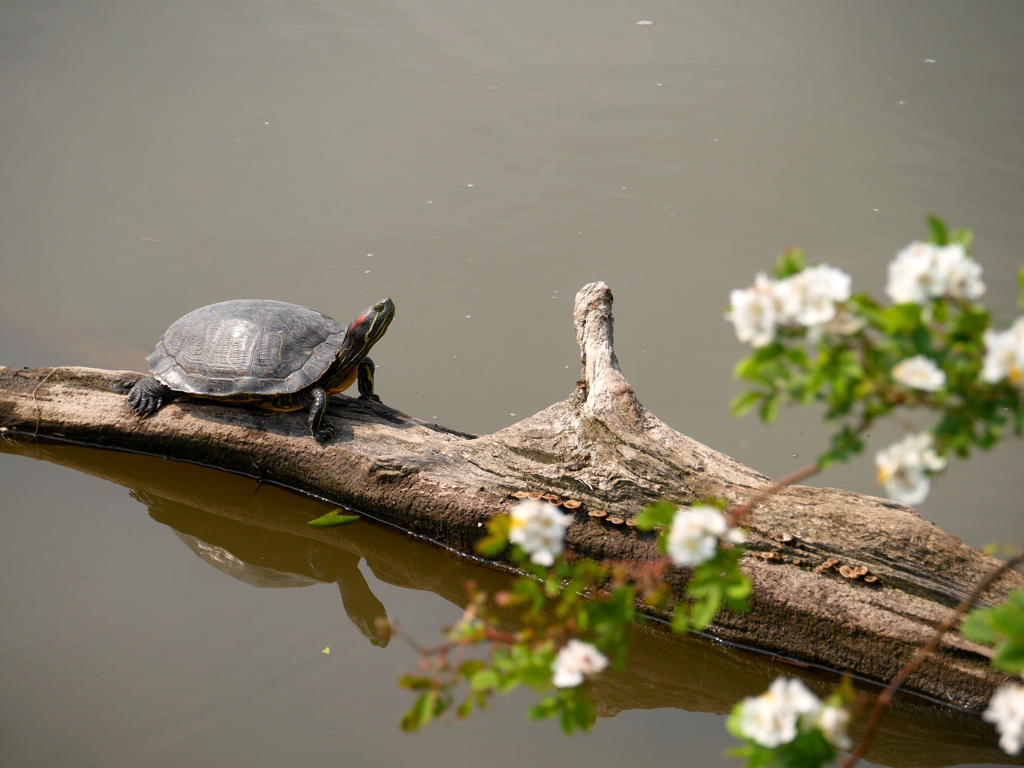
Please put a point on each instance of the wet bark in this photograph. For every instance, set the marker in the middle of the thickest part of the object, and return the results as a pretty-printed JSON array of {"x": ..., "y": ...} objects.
[{"x": 599, "y": 446}]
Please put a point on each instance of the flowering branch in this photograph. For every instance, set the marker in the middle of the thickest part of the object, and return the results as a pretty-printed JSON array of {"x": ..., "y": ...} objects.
[
  {"x": 575, "y": 618},
  {"x": 814, "y": 341},
  {"x": 577, "y": 615},
  {"x": 885, "y": 697},
  {"x": 933, "y": 349}
]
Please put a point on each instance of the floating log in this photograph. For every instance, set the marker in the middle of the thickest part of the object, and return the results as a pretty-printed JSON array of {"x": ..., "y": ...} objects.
[
  {"x": 258, "y": 533},
  {"x": 599, "y": 447}
]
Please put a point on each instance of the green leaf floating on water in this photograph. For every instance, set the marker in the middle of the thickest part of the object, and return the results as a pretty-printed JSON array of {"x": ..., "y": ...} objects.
[{"x": 333, "y": 518}]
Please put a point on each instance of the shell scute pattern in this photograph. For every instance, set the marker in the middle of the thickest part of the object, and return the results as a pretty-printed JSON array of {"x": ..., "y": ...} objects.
[{"x": 246, "y": 347}]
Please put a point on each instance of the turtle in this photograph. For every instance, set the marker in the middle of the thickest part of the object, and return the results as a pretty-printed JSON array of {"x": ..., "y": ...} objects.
[{"x": 264, "y": 354}]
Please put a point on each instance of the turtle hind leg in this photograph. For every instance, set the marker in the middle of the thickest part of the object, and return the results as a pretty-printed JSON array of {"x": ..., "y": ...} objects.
[
  {"x": 149, "y": 396},
  {"x": 321, "y": 429},
  {"x": 365, "y": 373}
]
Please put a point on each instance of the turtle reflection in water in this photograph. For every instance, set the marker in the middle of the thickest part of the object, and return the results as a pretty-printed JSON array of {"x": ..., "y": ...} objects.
[
  {"x": 364, "y": 609},
  {"x": 268, "y": 354}
]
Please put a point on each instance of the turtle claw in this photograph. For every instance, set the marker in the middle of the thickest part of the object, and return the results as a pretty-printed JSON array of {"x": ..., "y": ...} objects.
[
  {"x": 370, "y": 396},
  {"x": 144, "y": 406},
  {"x": 149, "y": 396},
  {"x": 325, "y": 433}
]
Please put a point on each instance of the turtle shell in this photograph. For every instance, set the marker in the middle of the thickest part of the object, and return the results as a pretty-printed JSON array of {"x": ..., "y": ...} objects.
[{"x": 247, "y": 346}]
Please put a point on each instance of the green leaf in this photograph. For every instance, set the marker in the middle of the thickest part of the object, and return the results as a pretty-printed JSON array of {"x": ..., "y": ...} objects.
[
  {"x": 660, "y": 513},
  {"x": 577, "y": 713},
  {"x": 536, "y": 676},
  {"x": 940, "y": 235},
  {"x": 491, "y": 546},
  {"x": 746, "y": 369},
  {"x": 484, "y": 680},
  {"x": 469, "y": 668},
  {"x": 797, "y": 356},
  {"x": 413, "y": 682},
  {"x": 430, "y": 705},
  {"x": 901, "y": 319},
  {"x": 545, "y": 708},
  {"x": 743, "y": 402},
  {"x": 738, "y": 591},
  {"x": 680, "y": 619},
  {"x": 552, "y": 586},
  {"x": 496, "y": 540},
  {"x": 971, "y": 323},
  {"x": 734, "y": 723},
  {"x": 810, "y": 749},
  {"x": 963, "y": 237},
  {"x": 465, "y": 709},
  {"x": 705, "y": 609},
  {"x": 426, "y": 708},
  {"x": 769, "y": 408},
  {"x": 1003, "y": 627},
  {"x": 410, "y": 721},
  {"x": 507, "y": 684},
  {"x": 1009, "y": 657},
  {"x": 1020, "y": 284},
  {"x": 790, "y": 262},
  {"x": 529, "y": 589},
  {"x": 333, "y": 518},
  {"x": 1007, "y": 622}
]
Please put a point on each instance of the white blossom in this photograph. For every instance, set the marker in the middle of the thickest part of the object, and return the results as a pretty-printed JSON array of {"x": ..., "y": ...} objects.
[
  {"x": 960, "y": 274},
  {"x": 923, "y": 271},
  {"x": 539, "y": 528},
  {"x": 1006, "y": 711},
  {"x": 575, "y": 660},
  {"x": 809, "y": 297},
  {"x": 833, "y": 721},
  {"x": 910, "y": 274},
  {"x": 773, "y": 718},
  {"x": 1004, "y": 354},
  {"x": 736, "y": 535},
  {"x": 904, "y": 468},
  {"x": 693, "y": 537},
  {"x": 754, "y": 311},
  {"x": 919, "y": 372}
]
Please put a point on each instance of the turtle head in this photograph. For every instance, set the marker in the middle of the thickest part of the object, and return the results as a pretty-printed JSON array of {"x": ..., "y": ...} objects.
[{"x": 370, "y": 325}]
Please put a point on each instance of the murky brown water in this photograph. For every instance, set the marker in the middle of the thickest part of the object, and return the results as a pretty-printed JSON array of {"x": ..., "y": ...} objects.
[{"x": 478, "y": 163}]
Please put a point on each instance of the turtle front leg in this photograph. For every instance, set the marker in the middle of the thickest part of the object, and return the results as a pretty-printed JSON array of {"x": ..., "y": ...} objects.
[
  {"x": 365, "y": 370},
  {"x": 321, "y": 430},
  {"x": 149, "y": 396}
]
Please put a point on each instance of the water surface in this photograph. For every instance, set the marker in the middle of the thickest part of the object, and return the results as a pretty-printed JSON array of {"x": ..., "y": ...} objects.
[{"x": 478, "y": 164}]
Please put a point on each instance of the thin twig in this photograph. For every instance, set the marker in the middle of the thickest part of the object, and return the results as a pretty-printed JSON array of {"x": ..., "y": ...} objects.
[
  {"x": 738, "y": 513},
  {"x": 885, "y": 697},
  {"x": 35, "y": 402}
]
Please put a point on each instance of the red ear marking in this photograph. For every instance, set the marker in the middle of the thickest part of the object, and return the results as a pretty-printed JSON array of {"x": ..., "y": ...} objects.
[{"x": 357, "y": 321}]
